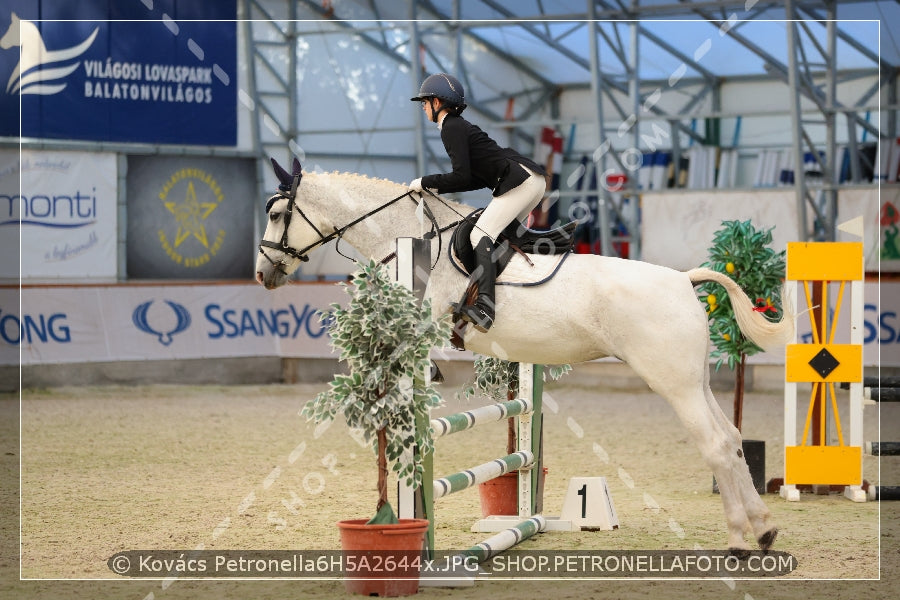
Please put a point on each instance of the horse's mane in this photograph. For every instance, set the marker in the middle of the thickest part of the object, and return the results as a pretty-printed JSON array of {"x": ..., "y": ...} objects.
[
  {"x": 357, "y": 176},
  {"x": 348, "y": 174},
  {"x": 359, "y": 179}
]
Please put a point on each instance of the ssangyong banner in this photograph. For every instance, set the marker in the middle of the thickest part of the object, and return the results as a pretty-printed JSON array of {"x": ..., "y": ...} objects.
[
  {"x": 122, "y": 322},
  {"x": 190, "y": 218},
  {"x": 61, "y": 207},
  {"x": 107, "y": 70}
]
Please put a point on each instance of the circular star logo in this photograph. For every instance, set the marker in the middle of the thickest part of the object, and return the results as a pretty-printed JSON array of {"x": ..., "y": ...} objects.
[{"x": 191, "y": 196}]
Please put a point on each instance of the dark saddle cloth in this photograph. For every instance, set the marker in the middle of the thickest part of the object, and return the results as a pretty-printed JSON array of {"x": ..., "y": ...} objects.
[{"x": 515, "y": 239}]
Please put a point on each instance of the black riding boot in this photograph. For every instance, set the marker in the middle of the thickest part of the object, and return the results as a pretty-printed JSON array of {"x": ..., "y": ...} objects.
[{"x": 481, "y": 313}]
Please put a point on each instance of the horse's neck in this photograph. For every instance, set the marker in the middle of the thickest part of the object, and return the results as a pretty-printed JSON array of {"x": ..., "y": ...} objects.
[{"x": 343, "y": 198}]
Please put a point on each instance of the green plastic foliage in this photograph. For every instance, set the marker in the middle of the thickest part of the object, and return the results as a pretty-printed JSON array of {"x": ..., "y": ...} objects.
[
  {"x": 385, "y": 338},
  {"x": 494, "y": 376},
  {"x": 741, "y": 252}
]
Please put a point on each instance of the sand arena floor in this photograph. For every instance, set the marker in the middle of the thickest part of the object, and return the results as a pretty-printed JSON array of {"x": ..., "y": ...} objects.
[{"x": 107, "y": 469}]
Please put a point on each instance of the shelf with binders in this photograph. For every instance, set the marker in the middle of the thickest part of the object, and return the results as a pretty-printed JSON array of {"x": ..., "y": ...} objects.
[{"x": 714, "y": 167}]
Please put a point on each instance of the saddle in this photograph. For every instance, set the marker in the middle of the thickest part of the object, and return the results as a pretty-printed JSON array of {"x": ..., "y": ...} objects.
[{"x": 515, "y": 239}]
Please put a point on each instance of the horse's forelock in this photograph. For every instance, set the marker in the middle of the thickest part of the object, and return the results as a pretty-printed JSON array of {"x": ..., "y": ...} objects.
[{"x": 271, "y": 201}]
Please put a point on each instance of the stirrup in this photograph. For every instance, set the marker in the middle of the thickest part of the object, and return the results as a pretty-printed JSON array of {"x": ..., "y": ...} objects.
[{"x": 477, "y": 316}]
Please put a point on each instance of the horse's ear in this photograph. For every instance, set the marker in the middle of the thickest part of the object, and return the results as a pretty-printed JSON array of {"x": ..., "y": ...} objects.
[
  {"x": 295, "y": 167},
  {"x": 284, "y": 178}
]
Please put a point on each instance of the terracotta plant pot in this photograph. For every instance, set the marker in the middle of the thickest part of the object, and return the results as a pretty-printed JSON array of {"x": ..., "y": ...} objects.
[
  {"x": 384, "y": 556},
  {"x": 500, "y": 496}
]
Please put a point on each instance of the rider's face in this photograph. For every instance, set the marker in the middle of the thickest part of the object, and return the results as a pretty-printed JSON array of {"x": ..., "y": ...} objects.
[{"x": 428, "y": 107}]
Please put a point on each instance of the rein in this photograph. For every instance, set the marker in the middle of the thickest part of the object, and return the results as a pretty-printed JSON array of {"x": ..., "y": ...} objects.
[
  {"x": 435, "y": 229},
  {"x": 301, "y": 254}
]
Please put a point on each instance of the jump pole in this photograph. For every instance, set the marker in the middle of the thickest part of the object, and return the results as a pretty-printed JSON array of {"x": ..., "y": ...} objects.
[
  {"x": 457, "y": 482},
  {"x": 507, "y": 538},
  {"x": 885, "y": 389},
  {"x": 413, "y": 271}
]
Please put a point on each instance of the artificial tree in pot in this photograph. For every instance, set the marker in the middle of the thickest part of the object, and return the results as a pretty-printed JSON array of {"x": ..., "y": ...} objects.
[
  {"x": 743, "y": 253},
  {"x": 385, "y": 338}
]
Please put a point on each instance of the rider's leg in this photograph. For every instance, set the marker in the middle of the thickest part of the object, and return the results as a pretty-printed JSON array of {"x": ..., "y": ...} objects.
[
  {"x": 481, "y": 313},
  {"x": 503, "y": 210},
  {"x": 513, "y": 205}
]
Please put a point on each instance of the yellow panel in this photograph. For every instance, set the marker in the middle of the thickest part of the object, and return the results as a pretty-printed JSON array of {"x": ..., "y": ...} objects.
[
  {"x": 825, "y": 465},
  {"x": 797, "y": 357},
  {"x": 824, "y": 261}
]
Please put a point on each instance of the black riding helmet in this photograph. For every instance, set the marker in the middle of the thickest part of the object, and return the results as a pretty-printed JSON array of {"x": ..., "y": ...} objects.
[{"x": 444, "y": 87}]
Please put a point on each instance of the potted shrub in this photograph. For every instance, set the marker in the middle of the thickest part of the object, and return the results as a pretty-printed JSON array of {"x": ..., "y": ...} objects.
[
  {"x": 385, "y": 338},
  {"x": 743, "y": 253},
  {"x": 498, "y": 380}
]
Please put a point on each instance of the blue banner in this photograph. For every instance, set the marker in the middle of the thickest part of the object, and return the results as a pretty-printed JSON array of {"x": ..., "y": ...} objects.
[{"x": 101, "y": 70}]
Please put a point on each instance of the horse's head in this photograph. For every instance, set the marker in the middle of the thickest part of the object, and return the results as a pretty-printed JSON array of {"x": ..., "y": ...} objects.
[
  {"x": 290, "y": 232},
  {"x": 11, "y": 37}
]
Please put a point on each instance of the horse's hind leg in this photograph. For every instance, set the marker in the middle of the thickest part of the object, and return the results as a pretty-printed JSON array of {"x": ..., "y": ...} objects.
[
  {"x": 685, "y": 389},
  {"x": 757, "y": 512},
  {"x": 719, "y": 450}
]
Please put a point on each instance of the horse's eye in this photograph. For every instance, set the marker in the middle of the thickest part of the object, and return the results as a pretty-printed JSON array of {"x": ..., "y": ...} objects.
[{"x": 274, "y": 216}]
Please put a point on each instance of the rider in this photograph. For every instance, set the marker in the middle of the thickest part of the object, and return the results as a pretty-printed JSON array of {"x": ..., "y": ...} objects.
[{"x": 478, "y": 162}]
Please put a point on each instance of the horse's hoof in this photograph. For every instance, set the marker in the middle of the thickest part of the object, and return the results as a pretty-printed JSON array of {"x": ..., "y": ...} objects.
[
  {"x": 767, "y": 539},
  {"x": 739, "y": 553}
]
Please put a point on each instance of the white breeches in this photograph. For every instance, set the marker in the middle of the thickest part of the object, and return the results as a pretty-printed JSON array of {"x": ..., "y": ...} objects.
[{"x": 515, "y": 204}]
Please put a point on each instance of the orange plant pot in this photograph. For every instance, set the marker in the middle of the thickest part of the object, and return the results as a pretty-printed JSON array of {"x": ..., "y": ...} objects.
[
  {"x": 382, "y": 560},
  {"x": 500, "y": 496}
]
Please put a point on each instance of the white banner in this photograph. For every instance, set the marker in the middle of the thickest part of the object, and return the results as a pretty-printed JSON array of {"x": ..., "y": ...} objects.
[
  {"x": 134, "y": 322},
  {"x": 125, "y": 322},
  {"x": 64, "y": 212},
  {"x": 677, "y": 228}
]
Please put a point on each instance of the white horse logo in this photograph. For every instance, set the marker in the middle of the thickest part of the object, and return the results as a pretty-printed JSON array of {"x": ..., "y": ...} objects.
[{"x": 31, "y": 75}]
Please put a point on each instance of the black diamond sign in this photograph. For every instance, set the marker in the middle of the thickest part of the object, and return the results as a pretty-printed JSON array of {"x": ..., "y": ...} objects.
[{"x": 823, "y": 363}]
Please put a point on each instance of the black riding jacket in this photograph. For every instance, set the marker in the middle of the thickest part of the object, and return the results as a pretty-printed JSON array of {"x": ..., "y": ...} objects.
[{"x": 478, "y": 161}]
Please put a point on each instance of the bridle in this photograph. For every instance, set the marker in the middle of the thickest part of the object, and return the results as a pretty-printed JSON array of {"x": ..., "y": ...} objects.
[
  {"x": 283, "y": 246},
  {"x": 290, "y": 193}
]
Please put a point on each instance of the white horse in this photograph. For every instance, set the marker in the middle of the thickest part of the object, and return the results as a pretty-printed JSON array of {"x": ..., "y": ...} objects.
[{"x": 646, "y": 315}]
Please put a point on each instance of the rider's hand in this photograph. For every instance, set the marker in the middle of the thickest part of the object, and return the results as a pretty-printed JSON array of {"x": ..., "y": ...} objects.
[{"x": 416, "y": 185}]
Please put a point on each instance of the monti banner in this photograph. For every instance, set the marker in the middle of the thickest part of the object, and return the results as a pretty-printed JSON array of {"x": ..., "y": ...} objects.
[
  {"x": 59, "y": 209},
  {"x": 106, "y": 70}
]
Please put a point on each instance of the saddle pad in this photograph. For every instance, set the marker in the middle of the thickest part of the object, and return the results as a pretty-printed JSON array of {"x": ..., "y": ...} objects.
[
  {"x": 518, "y": 272},
  {"x": 545, "y": 249}
]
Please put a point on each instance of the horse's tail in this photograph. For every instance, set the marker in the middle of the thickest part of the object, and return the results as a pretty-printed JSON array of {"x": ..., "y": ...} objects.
[{"x": 766, "y": 334}]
